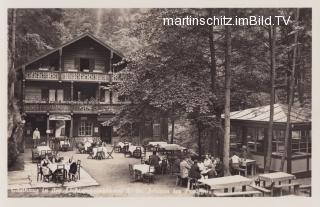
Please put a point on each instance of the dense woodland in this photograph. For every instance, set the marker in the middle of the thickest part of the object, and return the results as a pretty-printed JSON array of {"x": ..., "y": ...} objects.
[{"x": 194, "y": 73}]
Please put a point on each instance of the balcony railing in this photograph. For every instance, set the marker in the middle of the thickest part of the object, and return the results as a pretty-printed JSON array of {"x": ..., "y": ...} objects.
[
  {"x": 71, "y": 107},
  {"x": 77, "y": 76},
  {"x": 41, "y": 75}
]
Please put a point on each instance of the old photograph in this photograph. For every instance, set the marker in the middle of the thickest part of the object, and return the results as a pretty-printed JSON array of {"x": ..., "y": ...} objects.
[{"x": 159, "y": 102}]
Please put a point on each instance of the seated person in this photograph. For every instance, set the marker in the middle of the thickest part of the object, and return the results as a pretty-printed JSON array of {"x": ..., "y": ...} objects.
[
  {"x": 56, "y": 158},
  {"x": 154, "y": 160},
  {"x": 207, "y": 162},
  {"x": 184, "y": 171},
  {"x": 235, "y": 163},
  {"x": 202, "y": 168},
  {"x": 73, "y": 170},
  {"x": 218, "y": 167},
  {"x": 212, "y": 173},
  {"x": 194, "y": 172},
  {"x": 46, "y": 172}
]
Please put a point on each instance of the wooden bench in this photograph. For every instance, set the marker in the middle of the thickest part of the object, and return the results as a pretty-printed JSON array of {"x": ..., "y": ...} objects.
[
  {"x": 232, "y": 194},
  {"x": 261, "y": 189},
  {"x": 306, "y": 188},
  {"x": 294, "y": 185}
]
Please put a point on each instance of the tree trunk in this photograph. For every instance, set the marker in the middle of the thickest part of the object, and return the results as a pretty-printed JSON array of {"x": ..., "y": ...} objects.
[
  {"x": 226, "y": 147},
  {"x": 272, "y": 42},
  {"x": 213, "y": 75},
  {"x": 292, "y": 77},
  {"x": 172, "y": 125},
  {"x": 199, "y": 140}
]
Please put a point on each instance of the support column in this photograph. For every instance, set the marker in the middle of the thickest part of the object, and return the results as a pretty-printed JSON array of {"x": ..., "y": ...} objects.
[
  {"x": 71, "y": 126},
  {"x": 48, "y": 128},
  {"x": 289, "y": 151},
  {"x": 110, "y": 62},
  {"x": 60, "y": 63},
  {"x": 71, "y": 92},
  {"x": 98, "y": 95}
]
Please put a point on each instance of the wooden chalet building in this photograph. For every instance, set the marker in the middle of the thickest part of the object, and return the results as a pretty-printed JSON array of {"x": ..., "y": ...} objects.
[{"x": 68, "y": 91}]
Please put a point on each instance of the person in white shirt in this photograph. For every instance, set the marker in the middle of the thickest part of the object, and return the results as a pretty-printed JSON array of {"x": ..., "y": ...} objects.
[
  {"x": 235, "y": 163},
  {"x": 36, "y": 137},
  {"x": 207, "y": 162}
]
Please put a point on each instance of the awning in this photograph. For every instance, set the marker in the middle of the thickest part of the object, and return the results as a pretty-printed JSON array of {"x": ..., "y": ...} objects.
[{"x": 59, "y": 117}]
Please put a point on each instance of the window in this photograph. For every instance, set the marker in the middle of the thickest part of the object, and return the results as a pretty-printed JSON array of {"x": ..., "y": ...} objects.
[
  {"x": 84, "y": 64},
  {"x": 255, "y": 137},
  {"x": 278, "y": 141},
  {"x": 85, "y": 128},
  {"x": 301, "y": 141},
  {"x": 156, "y": 130}
]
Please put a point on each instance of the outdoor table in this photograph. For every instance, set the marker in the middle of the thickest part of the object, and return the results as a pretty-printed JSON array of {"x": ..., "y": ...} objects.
[
  {"x": 226, "y": 183},
  {"x": 122, "y": 144},
  {"x": 53, "y": 166},
  {"x": 276, "y": 177},
  {"x": 143, "y": 168},
  {"x": 99, "y": 149},
  {"x": 43, "y": 148},
  {"x": 247, "y": 163},
  {"x": 173, "y": 147},
  {"x": 157, "y": 143}
]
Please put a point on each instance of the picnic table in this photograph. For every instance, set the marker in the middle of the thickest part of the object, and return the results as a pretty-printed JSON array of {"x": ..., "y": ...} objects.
[
  {"x": 278, "y": 180},
  {"x": 226, "y": 183},
  {"x": 248, "y": 163},
  {"x": 143, "y": 168}
]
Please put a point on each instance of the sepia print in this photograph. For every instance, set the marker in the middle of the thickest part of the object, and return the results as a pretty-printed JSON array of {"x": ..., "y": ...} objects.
[{"x": 159, "y": 102}]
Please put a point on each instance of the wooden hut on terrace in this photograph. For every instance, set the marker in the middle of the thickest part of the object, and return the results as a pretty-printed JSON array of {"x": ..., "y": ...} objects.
[{"x": 249, "y": 127}]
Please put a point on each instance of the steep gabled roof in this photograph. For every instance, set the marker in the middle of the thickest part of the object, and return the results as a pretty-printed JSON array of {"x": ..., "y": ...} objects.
[
  {"x": 262, "y": 113},
  {"x": 73, "y": 41}
]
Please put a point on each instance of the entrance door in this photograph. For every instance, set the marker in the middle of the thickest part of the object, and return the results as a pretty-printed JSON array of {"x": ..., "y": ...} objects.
[{"x": 106, "y": 134}]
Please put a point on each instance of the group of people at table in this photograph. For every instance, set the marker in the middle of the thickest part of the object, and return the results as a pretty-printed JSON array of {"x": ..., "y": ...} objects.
[{"x": 49, "y": 167}]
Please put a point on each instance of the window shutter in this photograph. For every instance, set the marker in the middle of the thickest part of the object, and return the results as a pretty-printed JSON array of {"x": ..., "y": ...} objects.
[
  {"x": 77, "y": 63},
  {"x": 91, "y": 64}
]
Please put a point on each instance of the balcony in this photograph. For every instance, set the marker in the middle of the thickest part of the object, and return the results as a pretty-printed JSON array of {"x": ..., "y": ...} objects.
[
  {"x": 71, "y": 107},
  {"x": 76, "y": 76}
]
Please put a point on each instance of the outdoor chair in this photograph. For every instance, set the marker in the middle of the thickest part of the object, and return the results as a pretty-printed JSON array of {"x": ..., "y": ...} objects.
[
  {"x": 35, "y": 156},
  {"x": 149, "y": 177},
  {"x": 117, "y": 148},
  {"x": 39, "y": 172},
  {"x": 43, "y": 154},
  {"x": 137, "y": 152},
  {"x": 126, "y": 150},
  {"x": 109, "y": 154},
  {"x": 59, "y": 174}
]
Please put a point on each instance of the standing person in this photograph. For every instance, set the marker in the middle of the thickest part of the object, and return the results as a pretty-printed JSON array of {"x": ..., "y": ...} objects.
[
  {"x": 154, "y": 160},
  {"x": 36, "y": 137},
  {"x": 184, "y": 171},
  {"x": 195, "y": 172}
]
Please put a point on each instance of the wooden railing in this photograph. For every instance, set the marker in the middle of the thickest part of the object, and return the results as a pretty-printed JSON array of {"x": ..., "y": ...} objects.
[
  {"x": 77, "y": 76},
  {"x": 41, "y": 75},
  {"x": 71, "y": 108}
]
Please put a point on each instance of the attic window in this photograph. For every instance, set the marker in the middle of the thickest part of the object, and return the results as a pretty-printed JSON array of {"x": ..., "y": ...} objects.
[{"x": 84, "y": 64}]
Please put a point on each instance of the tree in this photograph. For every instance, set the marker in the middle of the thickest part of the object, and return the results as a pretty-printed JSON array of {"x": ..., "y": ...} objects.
[
  {"x": 291, "y": 89},
  {"x": 226, "y": 146},
  {"x": 272, "y": 41}
]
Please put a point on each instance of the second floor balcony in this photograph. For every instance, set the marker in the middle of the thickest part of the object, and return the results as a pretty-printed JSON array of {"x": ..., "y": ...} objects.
[
  {"x": 71, "y": 107},
  {"x": 76, "y": 76}
]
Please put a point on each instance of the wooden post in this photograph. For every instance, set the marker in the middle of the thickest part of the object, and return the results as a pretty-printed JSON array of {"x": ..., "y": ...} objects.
[
  {"x": 71, "y": 126},
  {"x": 71, "y": 88},
  {"x": 289, "y": 152},
  {"x": 60, "y": 63},
  {"x": 48, "y": 128},
  {"x": 110, "y": 62},
  {"x": 98, "y": 95}
]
